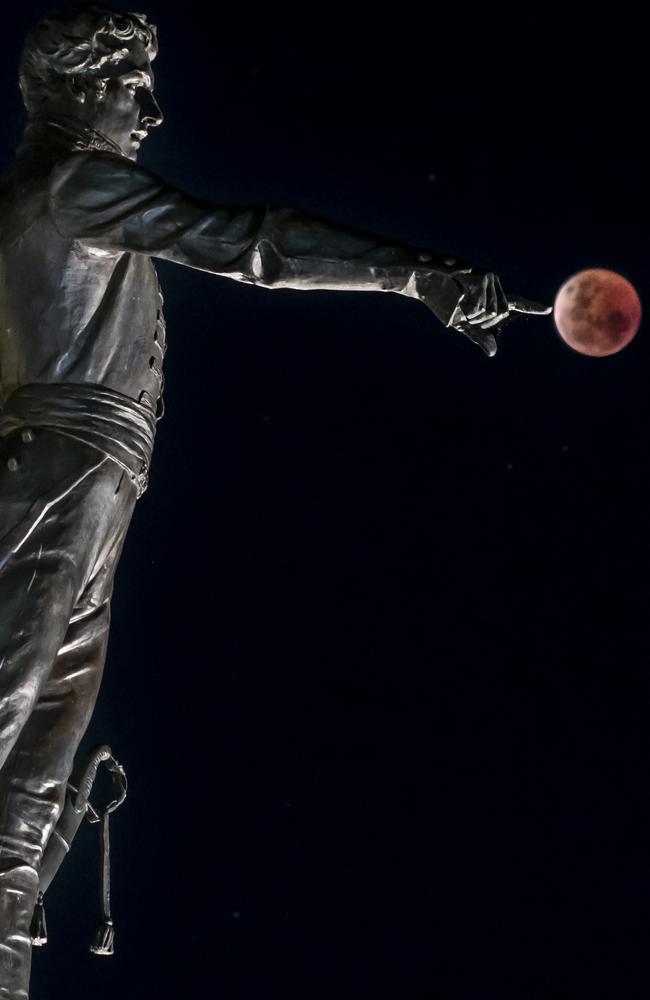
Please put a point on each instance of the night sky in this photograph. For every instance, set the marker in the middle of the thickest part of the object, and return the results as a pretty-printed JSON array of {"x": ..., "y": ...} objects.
[{"x": 378, "y": 668}]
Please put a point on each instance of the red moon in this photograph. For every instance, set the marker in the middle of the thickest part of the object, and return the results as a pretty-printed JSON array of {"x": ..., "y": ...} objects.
[{"x": 597, "y": 312}]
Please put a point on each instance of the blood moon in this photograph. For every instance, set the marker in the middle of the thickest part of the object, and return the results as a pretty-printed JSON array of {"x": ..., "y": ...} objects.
[{"x": 597, "y": 312}]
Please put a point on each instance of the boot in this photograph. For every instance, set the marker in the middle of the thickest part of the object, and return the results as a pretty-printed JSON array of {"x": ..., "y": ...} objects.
[{"x": 18, "y": 892}]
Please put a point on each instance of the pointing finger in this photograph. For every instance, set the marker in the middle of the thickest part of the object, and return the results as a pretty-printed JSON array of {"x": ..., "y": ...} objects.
[{"x": 519, "y": 304}]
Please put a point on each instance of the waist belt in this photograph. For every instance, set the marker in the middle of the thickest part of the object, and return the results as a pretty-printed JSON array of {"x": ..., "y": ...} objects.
[{"x": 106, "y": 420}]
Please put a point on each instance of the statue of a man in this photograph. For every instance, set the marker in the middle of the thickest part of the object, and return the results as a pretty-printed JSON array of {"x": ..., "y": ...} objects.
[{"x": 82, "y": 340}]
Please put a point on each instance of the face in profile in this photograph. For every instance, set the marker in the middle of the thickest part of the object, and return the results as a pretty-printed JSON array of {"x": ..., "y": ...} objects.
[{"x": 123, "y": 108}]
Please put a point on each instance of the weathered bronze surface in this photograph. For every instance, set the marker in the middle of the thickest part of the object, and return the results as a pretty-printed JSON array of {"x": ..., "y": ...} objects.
[{"x": 82, "y": 341}]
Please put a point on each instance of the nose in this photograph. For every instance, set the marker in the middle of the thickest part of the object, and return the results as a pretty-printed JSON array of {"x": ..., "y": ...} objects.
[{"x": 150, "y": 113}]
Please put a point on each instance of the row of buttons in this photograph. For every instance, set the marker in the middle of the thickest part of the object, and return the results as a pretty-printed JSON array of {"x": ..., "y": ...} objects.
[{"x": 155, "y": 363}]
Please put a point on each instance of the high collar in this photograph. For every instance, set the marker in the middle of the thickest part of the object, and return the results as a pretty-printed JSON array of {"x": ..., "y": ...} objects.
[{"x": 63, "y": 132}]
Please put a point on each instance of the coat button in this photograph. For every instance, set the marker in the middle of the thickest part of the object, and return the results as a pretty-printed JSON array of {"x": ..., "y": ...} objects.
[
  {"x": 12, "y": 464},
  {"x": 27, "y": 435}
]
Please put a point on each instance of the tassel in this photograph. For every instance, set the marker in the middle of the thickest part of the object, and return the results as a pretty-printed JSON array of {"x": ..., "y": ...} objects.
[
  {"x": 38, "y": 926},
  {"x": 105, "y": 936}
]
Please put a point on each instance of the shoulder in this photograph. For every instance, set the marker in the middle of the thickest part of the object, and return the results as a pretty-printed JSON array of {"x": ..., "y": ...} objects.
[
  {"x": 98, "y": 172},
  {"x": 98, "y": 186}
]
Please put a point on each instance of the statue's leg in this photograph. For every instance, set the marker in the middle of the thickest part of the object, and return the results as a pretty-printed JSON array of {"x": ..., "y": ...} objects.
[
  {"x": 54, "y": 617},
  {"x": 33, "y": 781}
]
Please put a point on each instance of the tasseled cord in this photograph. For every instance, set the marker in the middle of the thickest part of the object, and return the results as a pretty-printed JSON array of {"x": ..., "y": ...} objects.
[
  {"x": 105, "y": 936},
  {"x": 38, "y": 926}
]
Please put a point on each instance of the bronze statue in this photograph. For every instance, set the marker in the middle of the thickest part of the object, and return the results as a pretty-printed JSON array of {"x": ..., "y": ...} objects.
[{"x": 82, "y": 341}]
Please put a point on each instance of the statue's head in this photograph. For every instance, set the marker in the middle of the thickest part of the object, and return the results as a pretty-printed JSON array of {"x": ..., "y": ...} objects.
[{"x": 93, "y": 64}]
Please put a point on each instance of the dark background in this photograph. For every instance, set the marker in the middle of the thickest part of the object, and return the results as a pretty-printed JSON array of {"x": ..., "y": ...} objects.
[{"x": 378, "y": 669}]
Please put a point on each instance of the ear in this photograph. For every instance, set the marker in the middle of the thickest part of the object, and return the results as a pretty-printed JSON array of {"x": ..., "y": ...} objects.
[{"x": 77, "y": 88}]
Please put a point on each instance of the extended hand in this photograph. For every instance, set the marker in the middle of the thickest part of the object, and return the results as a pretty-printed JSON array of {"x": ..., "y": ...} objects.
[{"x": 484, "y": 308}]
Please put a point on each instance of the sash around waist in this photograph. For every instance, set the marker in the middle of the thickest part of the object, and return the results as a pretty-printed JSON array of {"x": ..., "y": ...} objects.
[{"x": 102, "y": 418}]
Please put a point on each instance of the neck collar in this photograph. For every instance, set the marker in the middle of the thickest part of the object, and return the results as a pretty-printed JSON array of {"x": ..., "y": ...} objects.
[{"x": 67, "y": 132}]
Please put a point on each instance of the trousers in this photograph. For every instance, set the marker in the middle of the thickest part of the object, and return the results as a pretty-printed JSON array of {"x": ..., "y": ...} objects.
[{"x": 65, "y": 508}]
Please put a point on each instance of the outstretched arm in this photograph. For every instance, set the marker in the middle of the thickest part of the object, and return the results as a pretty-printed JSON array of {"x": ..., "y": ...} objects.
[
  {"x": 295, "y": 250},
  {"x": 111, "y": 203}
]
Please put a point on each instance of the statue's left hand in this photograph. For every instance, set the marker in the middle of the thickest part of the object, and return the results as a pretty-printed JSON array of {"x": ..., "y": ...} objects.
[{"x": 484, "y": 308}]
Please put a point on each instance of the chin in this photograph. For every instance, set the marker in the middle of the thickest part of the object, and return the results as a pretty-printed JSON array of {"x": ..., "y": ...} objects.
[{"x": 131, "y": 148}]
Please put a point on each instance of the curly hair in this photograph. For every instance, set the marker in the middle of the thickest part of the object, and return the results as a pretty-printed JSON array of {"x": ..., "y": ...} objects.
[{"x": 78, "y": 41}]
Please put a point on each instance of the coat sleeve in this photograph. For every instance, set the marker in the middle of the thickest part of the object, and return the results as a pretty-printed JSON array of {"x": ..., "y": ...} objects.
[{"x": 109, "y": 202}]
